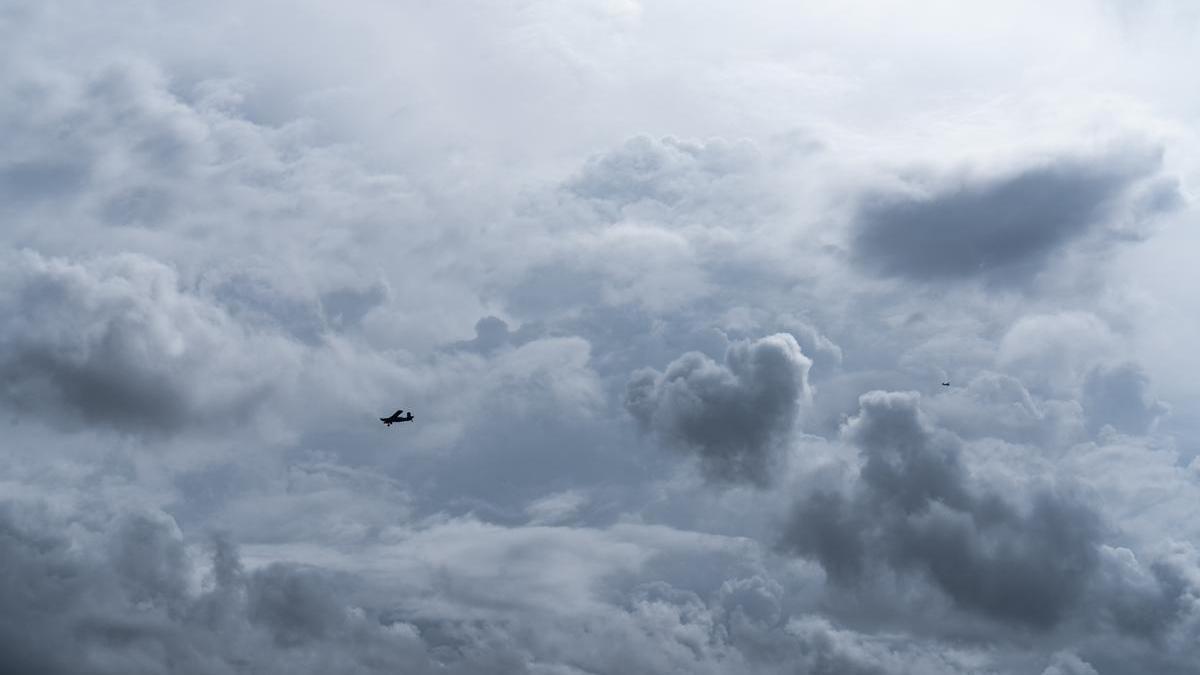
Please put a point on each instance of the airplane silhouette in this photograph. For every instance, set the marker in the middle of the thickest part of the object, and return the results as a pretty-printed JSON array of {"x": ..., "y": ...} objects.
[
  {"x": 945, "y": 384},
  {"x": 396, "y": 418}
]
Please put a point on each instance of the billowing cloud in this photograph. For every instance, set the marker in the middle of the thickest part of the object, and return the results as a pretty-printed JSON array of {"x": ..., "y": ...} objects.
[
  {"x": 914, "y": 507},
  {"x": 117, "y": 342},
  {"x": 734, "y": 415},
  {"x": 124, "y": 602}
]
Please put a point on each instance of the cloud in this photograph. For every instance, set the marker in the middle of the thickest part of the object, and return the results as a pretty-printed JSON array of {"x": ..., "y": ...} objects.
[
  {"x": 1118, "y": 396},
  {"x": 995, "y": 405},
  {"x": 122, "y": 601},
  {"x": 126, "y": 593},
  {"x": 1051, "y": 353},
  {"x": 555, "y": 508},
  {"x": 676, "y": 180},
  {"x": 234, "y": 235},
  {"x": 994, "y": 539},
  {"x": 913, "y": 508},
  {"x": 516, "y": 424},
  {"x": 1005, "y": 229},
  {"x": 733, "y": 416},
  {"x": 1066, "y": 663},
  {"x": 117, "y": 342},
  {"x": 491, "y": 334}
]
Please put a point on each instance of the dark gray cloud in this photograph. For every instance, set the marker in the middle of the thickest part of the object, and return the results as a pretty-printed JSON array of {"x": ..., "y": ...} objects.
[
  {"x": 296, "y": 604},
  {"x": 735, "y": 415},
  {"x": 1003, "y": 230},
  {"x": 1025, "y": 560},
  {"x": 492, "y": 334}
]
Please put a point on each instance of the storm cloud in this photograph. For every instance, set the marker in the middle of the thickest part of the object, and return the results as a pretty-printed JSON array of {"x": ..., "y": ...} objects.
[
  {"x": 1033, "y": 558},
  {"x": 913, "y": 508},
  {"x": 734, "y": 416},
  {"x": 1002, "y": 229}
]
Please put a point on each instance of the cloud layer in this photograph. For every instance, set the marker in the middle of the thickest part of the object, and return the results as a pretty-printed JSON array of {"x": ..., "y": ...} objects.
[{"x": 671, "y": 290}]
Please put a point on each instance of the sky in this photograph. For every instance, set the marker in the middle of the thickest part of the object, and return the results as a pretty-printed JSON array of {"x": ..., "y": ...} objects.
[{"x": 671, "y": 289}]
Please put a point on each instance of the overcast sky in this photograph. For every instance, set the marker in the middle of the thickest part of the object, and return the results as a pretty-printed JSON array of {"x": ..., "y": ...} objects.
[{"x": 671, "y": 289}]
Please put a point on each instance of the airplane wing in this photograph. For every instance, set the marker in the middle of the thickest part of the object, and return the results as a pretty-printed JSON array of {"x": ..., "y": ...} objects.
[{"x": 398, "y": 413}]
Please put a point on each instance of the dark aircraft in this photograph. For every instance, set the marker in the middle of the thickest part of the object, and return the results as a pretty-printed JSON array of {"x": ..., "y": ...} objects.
[
  {"x": 396, "y": 418},
  {"x": 945, "y": 384}
]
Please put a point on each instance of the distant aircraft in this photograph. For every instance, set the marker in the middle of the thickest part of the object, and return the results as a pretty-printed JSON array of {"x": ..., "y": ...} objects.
[
  {"x": 945, "y": 384},
  {"x": 396, "y": 417}
]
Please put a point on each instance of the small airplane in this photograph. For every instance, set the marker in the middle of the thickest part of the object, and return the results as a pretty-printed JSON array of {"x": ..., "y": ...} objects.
[
  {"x": 945, "y": 384},
  {"x": 396, "y": 417}
]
